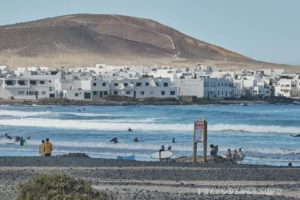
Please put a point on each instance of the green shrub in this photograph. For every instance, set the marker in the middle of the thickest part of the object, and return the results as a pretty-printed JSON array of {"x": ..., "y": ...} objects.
[{"x": 58, "y": 187}]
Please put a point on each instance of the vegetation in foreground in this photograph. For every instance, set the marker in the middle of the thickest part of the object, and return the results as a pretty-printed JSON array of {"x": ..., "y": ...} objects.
[{"x": 58, "y": 187}]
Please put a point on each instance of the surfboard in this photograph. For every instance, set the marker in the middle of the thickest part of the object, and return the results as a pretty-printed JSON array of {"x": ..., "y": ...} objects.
[
  {"x": 164, "y": 155},
  {"x": 131, "y": 157}
]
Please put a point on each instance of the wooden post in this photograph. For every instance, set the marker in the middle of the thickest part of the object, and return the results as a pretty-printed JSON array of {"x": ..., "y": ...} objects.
[
  {"x": 194, "y": 151},
  {"x": 205, "y": 141}
]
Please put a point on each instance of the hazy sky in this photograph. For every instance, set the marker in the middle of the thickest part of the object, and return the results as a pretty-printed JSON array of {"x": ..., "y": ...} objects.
[{"x": 267, "y": 30}]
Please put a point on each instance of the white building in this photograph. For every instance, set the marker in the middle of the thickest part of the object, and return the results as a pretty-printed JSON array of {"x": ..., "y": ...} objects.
[
  {"x": 144, "y": 87},
  {"x": 21, "y": 88},
  {"x": 208, "y": 87}
]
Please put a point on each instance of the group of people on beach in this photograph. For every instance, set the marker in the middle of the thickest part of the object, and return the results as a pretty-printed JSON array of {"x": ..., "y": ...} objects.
[
  {"x": 237, "y": 155},
  {"x": 45, "y": 148}
]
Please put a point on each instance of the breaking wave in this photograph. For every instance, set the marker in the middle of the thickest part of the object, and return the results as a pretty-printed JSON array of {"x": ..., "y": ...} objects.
[{"x": 121, "y": 125}]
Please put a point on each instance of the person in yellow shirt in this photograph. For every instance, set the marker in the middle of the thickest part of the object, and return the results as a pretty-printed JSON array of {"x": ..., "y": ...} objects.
[
  {"x": 42, "y": 148},
  {"x": 48, "y": 147}
]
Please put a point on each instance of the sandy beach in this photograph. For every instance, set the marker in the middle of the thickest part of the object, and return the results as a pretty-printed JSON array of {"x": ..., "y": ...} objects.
[{"x": 158, "y": 180}]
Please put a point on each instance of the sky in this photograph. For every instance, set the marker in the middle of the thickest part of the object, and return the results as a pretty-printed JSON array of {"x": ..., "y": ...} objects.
[{"x": 266, "y": 30}]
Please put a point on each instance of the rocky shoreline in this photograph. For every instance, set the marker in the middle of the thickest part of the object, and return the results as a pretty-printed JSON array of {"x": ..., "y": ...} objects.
[
  {"x": 130, "y": 101},
  {"x": 158, "y": 180}
]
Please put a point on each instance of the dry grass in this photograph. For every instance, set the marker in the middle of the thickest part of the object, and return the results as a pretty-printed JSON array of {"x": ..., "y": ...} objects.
[{"x": 58, "y": 187}]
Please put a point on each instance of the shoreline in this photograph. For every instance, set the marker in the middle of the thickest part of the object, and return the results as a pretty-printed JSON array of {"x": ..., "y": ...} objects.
[
  {"x": 139, "y": 102},
  {"x": 158, "y": 180}
]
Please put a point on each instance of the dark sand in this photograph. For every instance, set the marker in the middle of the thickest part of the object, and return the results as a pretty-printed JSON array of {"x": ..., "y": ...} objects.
[{"x": 158, "y": 180}]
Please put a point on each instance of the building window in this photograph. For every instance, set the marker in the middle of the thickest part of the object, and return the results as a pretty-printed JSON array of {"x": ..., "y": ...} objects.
[
  {"x": 142, "y": 92},
  {"x": 138, "y": 84},
  {"x": 42, "y": 82},
  {"x": 157, "y": 84},
  {"x": 50, "y": 88},
  {"x": 95, "y": 93},
  {"x": 33, "y": 82},
  {"x": 222, "y": 92},
  {"x": 49, "y": 81},
  {"x": 162, "y": 92},
  {"x": 21, "y": 82},
  {"x": 43, "y": 93},
  {"x": 222, "y": 84},
  {"x": 115, "y": 92},
  {"x": 218, "y": 92},
  {"x": 147, "y": 84},
  {"x": 20, "y": 92},
  {"x": 105, "y": 92},
  {"x": 94, "y": 84},
  {"x": 103, "y": 84},
  {"x": 116, "y": 84},
  {"x": 128, "y": 92},
  {"x": 125, "y": 84},
  {"x": 31, "y": 93},
  {"x": 9, "y": 83},
  {"x": 172, "y": 93},
  {"x": 76, "y": 94},
  {"x": 166, "y": 84}
]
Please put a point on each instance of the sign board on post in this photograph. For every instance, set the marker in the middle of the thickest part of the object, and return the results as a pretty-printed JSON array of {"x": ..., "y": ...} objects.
[
  {"x": 199, "y": 129},
  {"x": 200, "y": 135}
]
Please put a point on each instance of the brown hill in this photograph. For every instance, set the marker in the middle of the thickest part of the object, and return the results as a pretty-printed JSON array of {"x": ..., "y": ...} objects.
[{"x": 84, "y": 40}]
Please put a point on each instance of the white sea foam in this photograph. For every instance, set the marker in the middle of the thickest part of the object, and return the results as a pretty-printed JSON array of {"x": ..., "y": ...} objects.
[
  {"x": 21, "y": 113},
  {"x": 117, "y": 126},
  {"x": 132, "y": 146}
]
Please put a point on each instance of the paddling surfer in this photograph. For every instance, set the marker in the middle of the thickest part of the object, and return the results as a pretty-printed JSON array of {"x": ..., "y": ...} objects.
[
  {"x": 296, "y": 135},
  {"x": 129, "y": 129},
  {"x": 114, "y": 140},
  {"x": 135, "y": 139}
]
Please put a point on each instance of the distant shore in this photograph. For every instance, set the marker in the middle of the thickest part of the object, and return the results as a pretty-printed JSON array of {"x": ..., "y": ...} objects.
[
  {"x": 128, "y": 101},
  {"x": 158, "y": 180}
]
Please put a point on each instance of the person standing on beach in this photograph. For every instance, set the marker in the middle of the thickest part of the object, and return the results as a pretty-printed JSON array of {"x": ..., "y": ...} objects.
[
  {"x": 42, "y": 148},
  {"x": 48, "y": 147}
]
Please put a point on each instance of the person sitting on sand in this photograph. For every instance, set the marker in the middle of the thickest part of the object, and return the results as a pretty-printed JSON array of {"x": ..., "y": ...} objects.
[
  {"x": 129, "y": 129},
  {"x": 228, "y": 155},
  {"x": 241, "y": 155},
  {"x": 162, "y": 149},
  {"x": 135, "y": 139},
  {"x": 114, "y": 140},
  {"x": 173, "y": 141},
  {"x": 213, "y": 150},
  {"x": 235, "y": 155}
]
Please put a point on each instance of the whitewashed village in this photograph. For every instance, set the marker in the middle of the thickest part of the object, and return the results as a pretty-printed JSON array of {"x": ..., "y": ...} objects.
[{"x": 94, "y": 83}]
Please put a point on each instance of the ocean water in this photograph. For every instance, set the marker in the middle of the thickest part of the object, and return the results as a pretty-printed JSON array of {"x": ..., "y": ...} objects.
[{"x": 262, "y": 131}]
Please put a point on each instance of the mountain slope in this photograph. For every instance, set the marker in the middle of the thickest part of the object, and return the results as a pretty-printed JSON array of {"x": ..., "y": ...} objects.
[{"x": 84, "y": 39}]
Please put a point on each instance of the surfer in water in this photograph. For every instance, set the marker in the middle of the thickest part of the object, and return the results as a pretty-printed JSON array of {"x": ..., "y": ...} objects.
[
  {"x": 17, "y": 139},
  {"x": 135, "y": 139},
  {"x": 296, "y": 135},
  {"x": 7, "y": 136},
  {"x": 129, "y": 129},
  {"x": 114, "y": 140},
  {"x": 173, "y": 141}
]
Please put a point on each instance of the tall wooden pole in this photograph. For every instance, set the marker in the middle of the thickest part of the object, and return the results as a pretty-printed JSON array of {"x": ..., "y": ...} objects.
[
  {"x": 194, "y": 145},
  {"x": 205, "y": 141}
]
